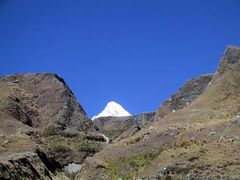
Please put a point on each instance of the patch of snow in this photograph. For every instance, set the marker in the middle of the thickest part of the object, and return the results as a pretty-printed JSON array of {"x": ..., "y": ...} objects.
[
  {"x": 112, "y": 109},
  {"x": 72, "y": 168}
]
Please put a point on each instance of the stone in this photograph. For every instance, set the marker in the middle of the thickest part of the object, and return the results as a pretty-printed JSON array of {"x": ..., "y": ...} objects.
[
  {"x": 72, "y": 168},
  {"x": 6, "y": 142},
  {"x": 236, "y": 119},
  {"x": 212, "y": 133}
]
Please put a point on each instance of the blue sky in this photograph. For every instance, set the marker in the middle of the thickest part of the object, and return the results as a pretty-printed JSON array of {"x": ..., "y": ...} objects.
[{"x": 135, "y": 52}]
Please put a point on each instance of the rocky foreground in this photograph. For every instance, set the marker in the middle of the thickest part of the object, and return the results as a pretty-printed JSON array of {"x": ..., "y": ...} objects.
[
  {"x": 45, "y": 133},
  {"x": 43, "y": 128}
]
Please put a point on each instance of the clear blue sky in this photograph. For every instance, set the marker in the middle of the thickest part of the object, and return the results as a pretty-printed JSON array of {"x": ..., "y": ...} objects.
[{"x": 135, "y": 52}]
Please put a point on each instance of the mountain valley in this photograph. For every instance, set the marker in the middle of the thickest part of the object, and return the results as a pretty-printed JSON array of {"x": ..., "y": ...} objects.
[{"x": 194, "y": 134}]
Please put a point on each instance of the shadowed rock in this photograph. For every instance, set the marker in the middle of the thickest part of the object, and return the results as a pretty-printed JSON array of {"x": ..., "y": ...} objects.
[
  {"x": 191, "y": 90},
  {"x": 115, "y": 126},
  {"x": 45, "y": 100}
]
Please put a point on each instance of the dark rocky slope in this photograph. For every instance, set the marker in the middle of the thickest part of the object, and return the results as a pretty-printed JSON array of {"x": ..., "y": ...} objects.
[
  {"x": 115, "y": 126},
  {"x": 45, "y": 100},
  {"x": 43, "y": 128},
  {"x": 200, "y": 141},
  {"x": 191, "y": 90}
]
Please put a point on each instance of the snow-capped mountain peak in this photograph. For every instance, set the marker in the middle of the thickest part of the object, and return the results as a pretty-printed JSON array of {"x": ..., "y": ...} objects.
[{"x": 112, "y": 109}]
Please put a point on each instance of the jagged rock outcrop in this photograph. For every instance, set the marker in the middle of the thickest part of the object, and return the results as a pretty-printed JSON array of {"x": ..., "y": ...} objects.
[
  {"x": 191, "y": 90},
  {"x": 114, "y": 126},
  {"x": 200, "y": 141},
  {"x": 28, "y": 165},
  {"x": 42, "y": 100},
  {"x": 43, "y": 128}
]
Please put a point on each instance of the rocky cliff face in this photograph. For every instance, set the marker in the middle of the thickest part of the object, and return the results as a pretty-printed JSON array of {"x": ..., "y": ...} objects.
[
  {"x": 43, "y": 128},
  {"x": 114, "y": 126},
  {"x": 199, "y": 141},
  {"x": 191, "y": 90},
  {"x": 43, "y": 100}
]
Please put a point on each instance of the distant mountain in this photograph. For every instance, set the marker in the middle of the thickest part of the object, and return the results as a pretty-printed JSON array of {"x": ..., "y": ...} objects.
[{"x": 112, "y": 109}]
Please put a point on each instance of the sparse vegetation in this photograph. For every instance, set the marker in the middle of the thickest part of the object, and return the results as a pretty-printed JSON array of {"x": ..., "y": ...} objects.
[
  {"x": 127, "y": 168},
  {"x": 62, "y": 176},
  {"x": 113, "y": 133},
  {"x": 60, "y": 143}
]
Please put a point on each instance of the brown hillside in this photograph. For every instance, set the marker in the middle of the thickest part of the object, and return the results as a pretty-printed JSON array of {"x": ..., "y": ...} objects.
[{"x": 200, "y": 141}]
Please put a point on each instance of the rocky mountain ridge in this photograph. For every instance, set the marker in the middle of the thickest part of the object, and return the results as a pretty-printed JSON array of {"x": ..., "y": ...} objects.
[
  {"x": 43, "y": 127},
  {"x": 198, "y": 141},
  {"x": 129, "y": 125},
  {"x": 45, "y": 133},
  {"x": 190, "y": 91}
]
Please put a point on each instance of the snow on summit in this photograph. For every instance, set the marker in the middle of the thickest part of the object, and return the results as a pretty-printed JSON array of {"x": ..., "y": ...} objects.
[{"x": 112, "y": 109}]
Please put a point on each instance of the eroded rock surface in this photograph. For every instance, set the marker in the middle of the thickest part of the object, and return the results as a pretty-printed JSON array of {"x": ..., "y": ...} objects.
[
  {"x": 191, "y": 90},
  {"x": 115, "y": 126},
  {"x": 43, "y": 127}
]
